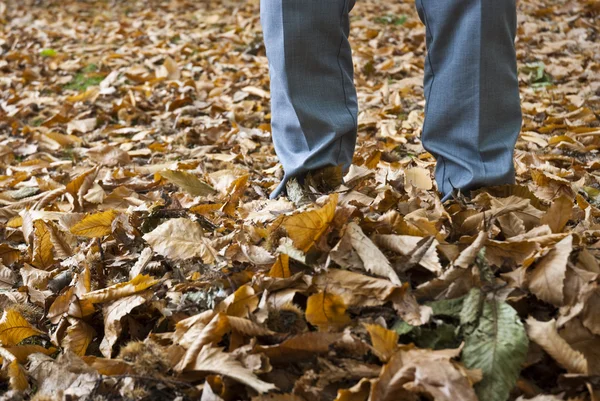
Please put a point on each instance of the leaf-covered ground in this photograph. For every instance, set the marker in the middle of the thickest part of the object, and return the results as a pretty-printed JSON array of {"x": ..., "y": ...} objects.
[{"x": 142, "y": 261}]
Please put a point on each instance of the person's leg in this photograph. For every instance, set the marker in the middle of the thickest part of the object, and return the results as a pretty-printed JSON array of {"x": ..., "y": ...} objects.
[
  {"x": 313, "y": 99},
  {"x": 473, "y": 115}
]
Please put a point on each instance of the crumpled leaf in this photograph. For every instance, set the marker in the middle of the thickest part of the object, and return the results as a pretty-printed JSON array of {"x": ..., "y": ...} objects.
[
  {"x": 423, "y": 372},
  {"x": 373, "y": 260}
]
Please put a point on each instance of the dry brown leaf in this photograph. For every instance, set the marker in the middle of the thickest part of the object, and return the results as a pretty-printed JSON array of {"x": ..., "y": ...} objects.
[
  {"x": 113, "y": 312},
  {"x": 8, "y": 278},
  {"x": 78, "y": 337},
  {"x": 109, "y": 156},
  {"x": 547, "y": 337},
  {"x": 467, "y": 257},
  {"x": 418, "y": 177},
  {"x": 8, "y": 255},
  {"x": 559, "y": 214},
  {"x": 180, "y": 239},
  {"x": 371, "y": 258},
  {"x": 546, "y": 280},
  {"x": 236, "y": 192},
  {"x": 422, "y": 372},
  {"x": 214, "y": 360}
]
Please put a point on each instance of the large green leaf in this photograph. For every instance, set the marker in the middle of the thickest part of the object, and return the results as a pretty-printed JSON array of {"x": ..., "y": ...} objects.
[{"x": 497, "y": 346}]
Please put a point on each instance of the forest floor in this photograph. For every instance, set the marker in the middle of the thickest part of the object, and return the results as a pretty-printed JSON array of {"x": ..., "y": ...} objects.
[{"x": 141, "y": 259}]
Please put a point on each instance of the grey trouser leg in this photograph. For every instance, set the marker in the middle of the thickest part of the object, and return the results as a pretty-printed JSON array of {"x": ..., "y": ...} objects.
[
  {"x": 473, "y": 114},
  {"x": 313, "y": 99}
]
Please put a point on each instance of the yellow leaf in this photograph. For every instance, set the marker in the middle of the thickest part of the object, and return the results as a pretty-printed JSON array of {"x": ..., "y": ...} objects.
[
  {"x": 385, "y": 342},
  {"x": 188, "y": 182},
  {"x": 137, "y": 284},
  {"x": 14, "y": 328},
  {"x": 43, "y": 257},
  {"x": 237, "y": 189},
  {"x": 18, "y": 379},
  {"x": 21, "y": 352},
  {"x": 326, "y": 311},
  {"x": 95, "y": 225},
  {"x": 108, "y": 367},
  {"x": 306, "y": 228},
  {"x": 281, "y": 268},
  {"x": 242, "y": 302},
  {"x": 206, "y": 208},
  {"x": 15, "y": 222}
]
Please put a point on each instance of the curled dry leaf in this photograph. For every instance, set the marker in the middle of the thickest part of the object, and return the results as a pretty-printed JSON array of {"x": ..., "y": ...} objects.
[
  {"x": 214, "y": 360},
  {"x": 425, "y": 372},
  {"x": 121, "y": 290},
  {"x": 373, "y": 260},
  {"x": 546, "y": 336}
]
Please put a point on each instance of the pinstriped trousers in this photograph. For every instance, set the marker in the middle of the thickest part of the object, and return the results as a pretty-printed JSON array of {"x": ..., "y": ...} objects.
[{"x": 472, "y": 113}]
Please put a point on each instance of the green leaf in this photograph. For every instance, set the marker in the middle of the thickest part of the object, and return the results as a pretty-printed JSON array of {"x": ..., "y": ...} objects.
[
  {"x": 188, "y": 182},
  {"x": 48, "y": 53},
  {"x": 471, "y": 307},
  {"x": 498, "y": 346},
  {"x": 447, "y": 307}
]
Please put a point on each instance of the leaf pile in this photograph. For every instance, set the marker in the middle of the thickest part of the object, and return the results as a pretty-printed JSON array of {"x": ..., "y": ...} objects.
[{"x": 141, "y": 260}]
